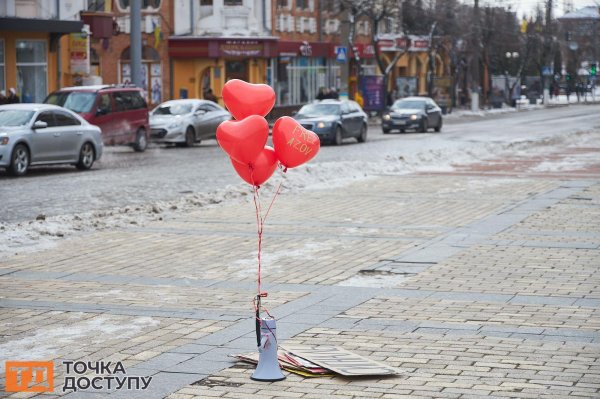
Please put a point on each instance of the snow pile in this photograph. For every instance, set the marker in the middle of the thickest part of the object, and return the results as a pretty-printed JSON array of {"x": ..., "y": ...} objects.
[
  {"x": 44, "y": 231},
  {"x": 47, "y": 342}
]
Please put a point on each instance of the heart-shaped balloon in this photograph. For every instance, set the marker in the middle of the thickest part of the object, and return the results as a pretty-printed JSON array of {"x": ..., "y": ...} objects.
[
  {"x": 294, "y": 145},
  {"x": 244, "y": 99},
  {"x": 243, "y": 140},
  {"x": 258, "y": 171}
]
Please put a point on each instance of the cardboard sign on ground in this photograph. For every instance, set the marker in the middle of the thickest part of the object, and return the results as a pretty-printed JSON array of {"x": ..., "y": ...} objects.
[{"x": 340, "y": 360}]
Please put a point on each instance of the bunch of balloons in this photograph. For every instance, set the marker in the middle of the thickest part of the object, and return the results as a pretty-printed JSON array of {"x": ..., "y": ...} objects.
[{"x": 244, "y": 139}]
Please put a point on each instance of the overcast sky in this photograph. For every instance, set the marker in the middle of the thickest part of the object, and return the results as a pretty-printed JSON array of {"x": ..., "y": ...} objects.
[{"x": 527, "y": 7}]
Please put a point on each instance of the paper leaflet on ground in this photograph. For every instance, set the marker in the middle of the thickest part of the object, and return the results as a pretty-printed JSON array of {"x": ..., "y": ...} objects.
[
  {"x": 320, "y": 361},
  {"x": 289, "y": 363}
]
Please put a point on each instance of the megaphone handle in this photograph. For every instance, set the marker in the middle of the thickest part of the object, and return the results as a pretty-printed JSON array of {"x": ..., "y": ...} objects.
[{"x": 257, "y": 321}]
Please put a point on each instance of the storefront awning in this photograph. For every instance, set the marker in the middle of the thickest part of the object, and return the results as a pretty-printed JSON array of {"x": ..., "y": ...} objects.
[
  {"x": 53, "y": 26},
  {"x": 234, "y": 47}
]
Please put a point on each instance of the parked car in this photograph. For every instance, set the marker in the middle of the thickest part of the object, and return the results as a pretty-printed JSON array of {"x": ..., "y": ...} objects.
[
  {"x": 185, "y": 122},
  {"x": 38, "y": 134},
  {"x": 120, "y": 111},
  {"x": 420, "y": 113},
  {"x": 334, "y": 120}
]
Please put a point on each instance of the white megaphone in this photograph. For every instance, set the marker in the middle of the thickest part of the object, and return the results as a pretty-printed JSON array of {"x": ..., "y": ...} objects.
[{"x": 268, "y": 365}]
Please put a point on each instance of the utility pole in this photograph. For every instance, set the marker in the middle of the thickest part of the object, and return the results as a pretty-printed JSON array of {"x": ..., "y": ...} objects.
[
  {"x": 547, "y": 50},
  {"x": 345, "y": 65},
  {"x": 136, "y": 42},
  {"x": 475, "y": 60}
]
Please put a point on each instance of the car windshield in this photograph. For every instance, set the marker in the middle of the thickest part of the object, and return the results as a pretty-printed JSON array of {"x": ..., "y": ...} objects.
[
  {"x": 13, "y": 117},
  {"x": 173, "y": 109},
  {"x": 319, "y": 110},
  {"x": 75, "y": 101},
  {"x": 408, "y": 104}
]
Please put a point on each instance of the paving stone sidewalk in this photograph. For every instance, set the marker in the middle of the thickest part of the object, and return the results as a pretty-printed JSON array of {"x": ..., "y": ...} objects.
[{"x": 474, "y": 283}]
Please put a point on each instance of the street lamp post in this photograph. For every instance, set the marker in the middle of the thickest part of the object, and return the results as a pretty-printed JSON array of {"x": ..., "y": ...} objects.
[{"x": 509, "y": 56}]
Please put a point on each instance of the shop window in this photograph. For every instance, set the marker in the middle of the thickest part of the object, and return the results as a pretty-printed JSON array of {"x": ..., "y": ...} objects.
[
  {"x": 32, "y": 70},
  {"x": 299, "y": 79},
  {"x": 2, "y": 81},
  {"x": 151, "y": 79},
  {"x": 94, "y": 63},
  {"x": 236, "y": 70}
]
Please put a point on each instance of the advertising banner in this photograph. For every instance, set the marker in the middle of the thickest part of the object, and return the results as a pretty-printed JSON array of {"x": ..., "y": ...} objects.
[
  {"x": 371, "y": 87},
  {"x": 79, "y": 53}
]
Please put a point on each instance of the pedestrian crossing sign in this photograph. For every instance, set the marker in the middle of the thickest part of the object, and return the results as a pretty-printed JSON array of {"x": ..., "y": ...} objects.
[{"x": 340, "y": 53}]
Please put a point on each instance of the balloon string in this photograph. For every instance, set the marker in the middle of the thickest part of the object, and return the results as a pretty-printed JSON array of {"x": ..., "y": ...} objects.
[{"x": 260, "y": 224}]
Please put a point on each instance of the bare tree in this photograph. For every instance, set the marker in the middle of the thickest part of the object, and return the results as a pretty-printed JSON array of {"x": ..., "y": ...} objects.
[{"x": 381, "y": 15}]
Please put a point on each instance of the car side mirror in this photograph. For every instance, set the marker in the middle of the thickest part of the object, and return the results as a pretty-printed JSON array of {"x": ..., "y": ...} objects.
[
  {"x": 40, "y": 125},
  {"x": 294, "y": 112}
]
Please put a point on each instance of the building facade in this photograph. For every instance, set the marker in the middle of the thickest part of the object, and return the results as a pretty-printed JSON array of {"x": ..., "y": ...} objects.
[
  {"x": 33, "y": 41},
  {"x": 217, "y": 40}
]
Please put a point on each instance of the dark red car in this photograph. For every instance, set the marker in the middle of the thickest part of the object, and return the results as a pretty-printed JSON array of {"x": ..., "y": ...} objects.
[{"x": 120, "y": 111}]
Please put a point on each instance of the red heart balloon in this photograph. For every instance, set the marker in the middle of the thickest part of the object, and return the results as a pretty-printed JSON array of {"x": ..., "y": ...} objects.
[
  {"x": 258, "y": 171},
  {"x": 244, "y": 99},
  {"x": 243, "y": 140},
  {"x": 294, "y": 145}
]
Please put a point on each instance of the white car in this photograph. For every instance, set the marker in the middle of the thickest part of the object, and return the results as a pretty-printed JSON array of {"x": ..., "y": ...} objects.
[
  {"x": 43, "y": 134},
  {"x": 185, "y": 122}
]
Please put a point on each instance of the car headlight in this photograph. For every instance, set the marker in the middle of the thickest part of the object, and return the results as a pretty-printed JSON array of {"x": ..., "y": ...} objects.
[
  {"x": 4, "y": 140},
  {"x": 387, "y": 117},
  {"x": 322, "y": 125},
  {"x": 174, "y": 125},
  {"x": 414, "y": 117}
]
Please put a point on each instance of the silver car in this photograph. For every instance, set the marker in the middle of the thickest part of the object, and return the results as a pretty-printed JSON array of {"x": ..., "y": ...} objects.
[
  {"x": 42, "y": 134},
  {"x": 185, "y": 122}
]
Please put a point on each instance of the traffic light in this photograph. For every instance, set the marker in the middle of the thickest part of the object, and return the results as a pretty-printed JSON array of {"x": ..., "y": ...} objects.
[
  {"x": 568, "y": 77},
  {"x": 593, "y": 70}
]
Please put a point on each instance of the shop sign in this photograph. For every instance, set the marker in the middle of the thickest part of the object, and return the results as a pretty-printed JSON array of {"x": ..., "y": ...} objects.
[
  {"x": 363, "y": 50},
  {"x": 417, "y": 43},
  {"x": 79, "y": 53},
  {"x": 241, "y": 48}
]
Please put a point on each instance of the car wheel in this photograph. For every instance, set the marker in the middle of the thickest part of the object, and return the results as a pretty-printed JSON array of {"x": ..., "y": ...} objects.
[
  {"x": 423, "y": 127},
  {"x": 87, "y": 156},
  {"x": 19, "y": 160},
  {"x": 190, "y": 137},
  {"x": 402, "y": 130},
  {"x": 338, "y": 136},
  {"x": 438, "y": 128},
  {"x": 362, "y": 137},
  {"x": 385, "y": 131},
  {"x": 141, "y": 143}
]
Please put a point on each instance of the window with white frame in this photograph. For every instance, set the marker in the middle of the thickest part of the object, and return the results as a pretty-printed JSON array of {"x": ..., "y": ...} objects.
[
  {"x": 150, "y": 5},
  {"x": 301, "y": 4},
  {"x": 32, "y": 70},
  {"x": 234, "y": 3}
]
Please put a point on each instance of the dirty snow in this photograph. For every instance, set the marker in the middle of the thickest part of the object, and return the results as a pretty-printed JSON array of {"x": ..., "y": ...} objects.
[
  {"x": 35, "y": 235},
  {"x": 47, "y": 342}
]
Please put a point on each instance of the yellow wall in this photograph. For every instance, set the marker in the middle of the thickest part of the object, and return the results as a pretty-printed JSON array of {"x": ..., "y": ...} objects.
[
  {"x": 187, "y": 74},
  {"x": 10, "y": 57}
]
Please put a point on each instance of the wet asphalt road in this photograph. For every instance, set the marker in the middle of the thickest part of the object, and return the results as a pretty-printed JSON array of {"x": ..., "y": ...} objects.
[{"x": 124, "y": 177}]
